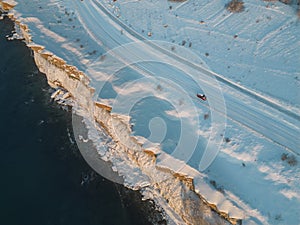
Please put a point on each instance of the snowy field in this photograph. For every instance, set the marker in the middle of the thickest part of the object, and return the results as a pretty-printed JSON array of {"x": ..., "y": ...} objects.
[{"x": 148, "y": 60}]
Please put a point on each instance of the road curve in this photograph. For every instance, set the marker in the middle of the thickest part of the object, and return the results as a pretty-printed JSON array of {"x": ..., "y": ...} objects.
[{"x": 259, "y": 113}]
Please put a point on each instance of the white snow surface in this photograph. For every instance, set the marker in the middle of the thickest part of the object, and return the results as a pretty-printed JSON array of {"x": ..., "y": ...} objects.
[{"x": 246, "y": 63}]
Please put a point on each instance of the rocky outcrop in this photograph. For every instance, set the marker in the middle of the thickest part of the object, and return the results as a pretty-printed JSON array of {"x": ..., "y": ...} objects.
[
  {"x": 176, "y": 189},
  {"x": 7, "y": 5}
]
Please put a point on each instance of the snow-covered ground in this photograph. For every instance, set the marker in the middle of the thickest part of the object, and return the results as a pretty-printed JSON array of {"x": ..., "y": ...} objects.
[{"x": 148, "y": 59}]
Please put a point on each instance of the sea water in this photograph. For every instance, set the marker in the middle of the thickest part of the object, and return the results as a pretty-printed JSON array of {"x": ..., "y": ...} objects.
[{"x": 44, "y": 179}]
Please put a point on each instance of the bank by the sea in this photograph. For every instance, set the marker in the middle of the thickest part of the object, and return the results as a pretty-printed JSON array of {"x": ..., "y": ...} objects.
[{"x": 44, "y": 179}]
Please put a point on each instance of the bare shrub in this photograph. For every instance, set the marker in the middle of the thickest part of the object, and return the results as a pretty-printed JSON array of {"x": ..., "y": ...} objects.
[
  {"x": 235, "y": 6},
  {"x": 284, "y": 156},
  {"x": 278, "y": 217},
  {"x": 221, "y": 189},
  {"x": 213, "y": 183},
  {"x": 206, "y": 116},
  {"x": 217, "y": 187},
  {"x": 290, "y": 159},
  {"x": 227, "y": 139},
  {"x": 159, "y": 87}
]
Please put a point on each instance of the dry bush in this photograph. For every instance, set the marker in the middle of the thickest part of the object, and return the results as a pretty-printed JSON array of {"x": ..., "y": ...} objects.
[
  {"x": 227, "y": 140},
  {"x": 217, "y": 187},
  {"x": 278, "y": 217},
  {"x": 284, "y": 156},
  {"x": 235, "y": 6},
  {"x": 290, "y": 159},
  {"x": 206, "y": 116},
  {"x": 213, "y": 183}
]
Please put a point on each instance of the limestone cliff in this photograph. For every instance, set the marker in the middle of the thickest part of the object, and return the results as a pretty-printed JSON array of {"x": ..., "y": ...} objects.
[{"x": 176, "y": 190}]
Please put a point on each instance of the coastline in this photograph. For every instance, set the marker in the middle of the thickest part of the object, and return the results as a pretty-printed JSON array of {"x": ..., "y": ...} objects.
[
  {"x": 59, "y": 74},
  {"x": 140, "y": 158},
  {"x": 249, "y": 169},
  {"x": 46, "y": 178}
]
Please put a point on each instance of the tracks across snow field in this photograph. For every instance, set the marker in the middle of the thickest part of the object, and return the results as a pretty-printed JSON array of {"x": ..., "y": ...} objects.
[
  {"x": 252, "y": 110},
  {"x": 239, "y": 143},
  {"x": 136, "y": 72}
]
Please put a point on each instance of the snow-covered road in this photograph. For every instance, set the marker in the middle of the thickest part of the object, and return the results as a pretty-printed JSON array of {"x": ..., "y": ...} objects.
[
  {"x": 250, "y": 123},
  {"x": 251, "y": 110},
  {"x": 180, "y": 75}
]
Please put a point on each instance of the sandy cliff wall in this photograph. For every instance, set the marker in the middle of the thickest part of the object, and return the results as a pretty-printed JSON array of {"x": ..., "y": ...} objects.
[
  {"x": 7, "y": 5},
  {"x": 176, "y": 190}
]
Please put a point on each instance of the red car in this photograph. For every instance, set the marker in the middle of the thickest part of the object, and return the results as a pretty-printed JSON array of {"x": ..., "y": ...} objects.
[{"x": 201, "y": 96}]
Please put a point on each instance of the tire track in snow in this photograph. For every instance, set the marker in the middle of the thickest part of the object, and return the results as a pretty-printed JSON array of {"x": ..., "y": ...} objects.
[
  {"x": 224, "y": 80},
  {"x": 258, "y": 121}
]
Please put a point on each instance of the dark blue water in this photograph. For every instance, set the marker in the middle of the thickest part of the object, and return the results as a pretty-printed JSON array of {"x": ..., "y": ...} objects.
[{"x": 41, "y": 170}]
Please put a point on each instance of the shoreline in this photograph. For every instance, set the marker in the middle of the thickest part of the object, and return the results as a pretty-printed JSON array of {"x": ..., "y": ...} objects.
[
  {"x": 69, "y": 77},
  {"x": 89, "y": 153},
  {"x": 44, "y": 167},
  {"x": 150, "y": 212}
]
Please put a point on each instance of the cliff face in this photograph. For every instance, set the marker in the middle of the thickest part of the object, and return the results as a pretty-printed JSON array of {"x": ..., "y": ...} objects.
[
  {"x": 7, "y": 5},
  {"x": 175, "y": 192},
  {"x": 175, "y": 189}
]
